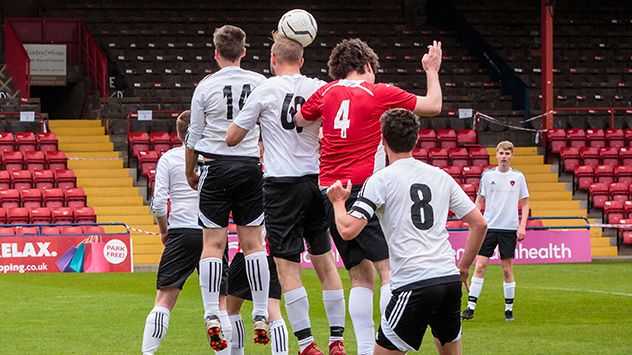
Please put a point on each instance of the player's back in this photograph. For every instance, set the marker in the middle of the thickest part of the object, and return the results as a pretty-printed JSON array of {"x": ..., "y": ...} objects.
[
  {"x": 290, "y": 150},
  {"x": 219, "y": 97},
  {"x": 413, "y": 215}
]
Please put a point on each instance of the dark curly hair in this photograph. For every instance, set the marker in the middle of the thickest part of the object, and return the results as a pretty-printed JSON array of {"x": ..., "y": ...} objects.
[
  {"x": 400, "y": 129},
  {"x": 350, "y": 55}
]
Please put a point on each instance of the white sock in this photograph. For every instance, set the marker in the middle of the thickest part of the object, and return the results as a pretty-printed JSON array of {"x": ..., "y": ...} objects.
[
  {"x": 361, "y": 313},
  {"x": 227, "y": 329},
  {"x": 259, "y": 281},
  {"x": 156, "y": 326},
  {"x": 334, "y": 302},
  {"x": 279, "y": 336},
  {"x": 476, "y": 286},
  {"x": 385, "y": 297},
  {"x": 509, "y": 289},
  {"x": 210, "y": 280},
  {"x": 237, "y": 341},
  {"x": 297, "y": 308}
]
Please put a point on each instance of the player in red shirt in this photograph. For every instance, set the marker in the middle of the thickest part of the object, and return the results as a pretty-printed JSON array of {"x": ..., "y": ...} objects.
[{"x": 350, "y": 109}]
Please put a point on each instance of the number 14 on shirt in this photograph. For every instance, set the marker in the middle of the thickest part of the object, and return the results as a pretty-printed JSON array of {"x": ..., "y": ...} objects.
[{"x": 342, "y": 121}]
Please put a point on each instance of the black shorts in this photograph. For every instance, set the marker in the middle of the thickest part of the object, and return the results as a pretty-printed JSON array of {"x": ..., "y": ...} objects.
[
  {"x": 231, "y": 184},
  {"x": 238, "y": 285},
  {"x": 506, "y": 241},
  {"x": 370, "y": 244},
  {"x": 181, "y": 256},
  {"x": 294, "y": 211},
  {"x": 409, "y": 313}
]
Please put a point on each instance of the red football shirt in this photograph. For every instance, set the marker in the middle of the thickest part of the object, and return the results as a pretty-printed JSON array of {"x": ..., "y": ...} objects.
[{"x": 351, "y": 111}]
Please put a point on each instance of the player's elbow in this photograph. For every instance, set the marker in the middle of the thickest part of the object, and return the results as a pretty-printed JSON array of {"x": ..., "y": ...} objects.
[
  {"x": 231, "y": 141},
  {"x": 347, "y": 233},
  {"x": 428, "y": 108}
]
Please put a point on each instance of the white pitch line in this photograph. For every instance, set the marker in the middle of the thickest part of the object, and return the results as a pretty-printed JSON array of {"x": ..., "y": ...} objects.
[{"x": 624, "y": 294}]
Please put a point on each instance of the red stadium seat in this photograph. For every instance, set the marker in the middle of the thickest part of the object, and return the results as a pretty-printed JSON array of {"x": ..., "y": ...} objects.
[
  {"x": 609, "y": 156},
  {"x": 3, "y": 216},
  {"x": 479, "y": 156},
  {"x": 62, "y": 215},
  {"x": 147, "y": 160},
  {"x": 576, "y": 137},
  {"x": 43, "y": 179},
  {"x": 447, "y": 138},
  {"x": 556, "y": 139},
  {"x": 459, "y": 156},
  {"x": 613, "y": 209},
  {"x": 13, "y": 160},
  {"x": 598, "y": 193},
  {"x": 438, "y": 157},
  {"x": 420, "y": 154},
  {"x": 21, "y": 179},
  {"x": 47, "y": 141},
  {"x": 534, "y": 223},
  {"x": 151, "y": 179},
  {"x": 615, "y": 137},
  {"x": 589, "y": 155},
  {"x": 5, "y": 180},
  {"x": 596, "y": 137},
  {"x": 53, "y": 197},
  {"x": 160, "y": 141},
  {"x": 455, "y": 172},
  {"x": 40, "y": 215},
  {"x": 627, "y": 208},
  {"x": 18, "y": 215},
  {"x": 627, "y": 135},
  {"x": 51, "y": 230},
  {"x": 454, "y": 224},
  {"x": 7, "y": 231},
  {"x": 626, "y": 231},
  {"x": 618, "y": 191},
  {"x": 138, "y": 141},
  {"x": 623, "y": 173},
  {"x": 232, "y": 228},
  {"x": 56, "y": 160},
  {"x": 75, "y": 197},
  {"x": 584, "y": 176},
  {"x": 427, "y": 138},
  {"x": 175, "y": 141},
  {"x": 31, "y": 198},
  {"x": 85, "y": 215},
  {"x": 35, "y": 160},
  {"x": 625, "y": 155},
  {"x": 7, "y": 141},
  {"x": 470, "y": 190},
  {"x": 604, "y": 173},
  {"x": 26, "y": 141},
  {"x": 466, "y": 137},
  {"x": 26, "y": 230},
  {"x": 9, "y": 198},
  {"x": 71, "y": 230},
  {"x": 569, "y": 158},
  {"x": 65, "y": 179},
  {"x": 471, "y": 174},
  {"x": 93, "y": 229}
]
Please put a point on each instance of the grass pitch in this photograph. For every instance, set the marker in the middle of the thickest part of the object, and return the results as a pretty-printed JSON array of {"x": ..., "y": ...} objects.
[{"x": 559, "y": 309}]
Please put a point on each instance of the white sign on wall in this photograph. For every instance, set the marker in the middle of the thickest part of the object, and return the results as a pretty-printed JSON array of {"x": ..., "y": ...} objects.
[{"x": 48, "y": 64}]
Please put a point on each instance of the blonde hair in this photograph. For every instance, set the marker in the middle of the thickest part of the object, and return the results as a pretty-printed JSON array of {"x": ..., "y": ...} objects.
[
  {"x": 505, "y": 145},
  {"x": 182, "y": 124},
  {"x": 286, "y": 50}
]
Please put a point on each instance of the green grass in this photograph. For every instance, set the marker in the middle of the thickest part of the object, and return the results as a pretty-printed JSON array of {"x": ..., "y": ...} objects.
[{"x": 560, "y": 309}]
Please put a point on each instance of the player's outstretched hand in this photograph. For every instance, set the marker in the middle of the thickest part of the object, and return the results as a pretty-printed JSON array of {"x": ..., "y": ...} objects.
[
  {"x": 431, "y": 61},
  {"x": 465, "y": 274},
  {"x": 337, "y": 193},
  {"x": 521, "y": 233},
  {"x": 192, "y": 180}
]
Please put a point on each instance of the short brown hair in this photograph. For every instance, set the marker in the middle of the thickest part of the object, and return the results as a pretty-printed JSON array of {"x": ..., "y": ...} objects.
[
  {"x": 182, "y": 124},
  {"x": 349, "y": 55},
  {"x": 286, "y": 50},
  {"x": 505, "y": 145},
  {"x": 400, "y": 129},
  {"x": 229, "y": 41}
]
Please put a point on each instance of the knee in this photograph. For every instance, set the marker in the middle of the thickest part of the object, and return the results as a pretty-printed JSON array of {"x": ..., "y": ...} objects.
[
  {"x": 362, "y": 275},
  {"x": 507, "y": 271}
]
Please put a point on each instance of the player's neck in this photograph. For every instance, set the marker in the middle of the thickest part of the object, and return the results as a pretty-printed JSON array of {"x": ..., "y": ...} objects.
[
  {"x": 222, "y": 63},
  {"x": 354, "y": 75},
  {"x": 393, "y": 157},
  {"x": 282, "y": 70},
  {"x": 503, "y": 168}
]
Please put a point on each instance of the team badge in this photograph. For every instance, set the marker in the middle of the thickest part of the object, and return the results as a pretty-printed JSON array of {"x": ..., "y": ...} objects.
[{"x": 512, "y": 183}]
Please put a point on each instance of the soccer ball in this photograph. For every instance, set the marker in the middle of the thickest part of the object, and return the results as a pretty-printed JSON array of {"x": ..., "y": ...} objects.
[{"x": 298, "y": 25}]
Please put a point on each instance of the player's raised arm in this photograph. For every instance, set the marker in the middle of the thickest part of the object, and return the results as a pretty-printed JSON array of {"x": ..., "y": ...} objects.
[{"x": 431, "y": 104}]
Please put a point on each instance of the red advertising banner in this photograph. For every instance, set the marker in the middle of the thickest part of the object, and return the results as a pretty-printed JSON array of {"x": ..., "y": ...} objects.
[{"x": 25, "y": 254}]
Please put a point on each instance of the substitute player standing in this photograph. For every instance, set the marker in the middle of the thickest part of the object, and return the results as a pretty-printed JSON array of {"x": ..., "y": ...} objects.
[
  {"x": 350, "y": 108},
  {"x": 411, "y": 200},
  {"x": 500, "y": 189},
  {"x": 230, "y": 181},
  {"x": 182, "y": 237},
  {"x": 293, "y": 204}
]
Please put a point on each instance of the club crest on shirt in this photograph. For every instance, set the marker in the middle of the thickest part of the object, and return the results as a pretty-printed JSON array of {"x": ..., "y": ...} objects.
[{"x": 512, "y": 183}]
